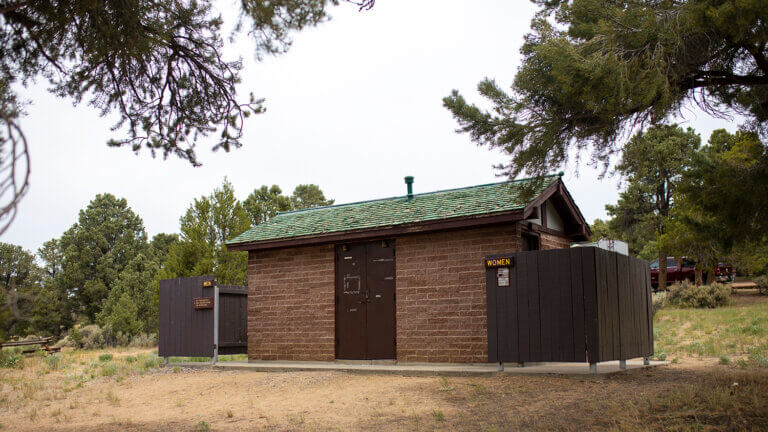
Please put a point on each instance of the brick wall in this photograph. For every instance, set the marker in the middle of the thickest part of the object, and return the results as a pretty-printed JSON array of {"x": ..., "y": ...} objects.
[
  {"x": 441, "y": 304},
  {"x": 291, "y": 304},
  {"x": 553, "y": 241},
  {"x": 441, "y": 299}
]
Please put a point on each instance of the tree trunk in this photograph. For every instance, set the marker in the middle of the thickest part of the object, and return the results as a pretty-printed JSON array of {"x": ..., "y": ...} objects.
[
  {"x": 699, "y": 279},
  {"x": 662, "y": 270}
]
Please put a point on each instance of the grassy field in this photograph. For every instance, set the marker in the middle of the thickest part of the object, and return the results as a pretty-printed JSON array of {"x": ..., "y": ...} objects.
[
  {"x": 736, "y": 334},
  {"x": 222, "y": 358},
  {"x": 718, "y": 381}
]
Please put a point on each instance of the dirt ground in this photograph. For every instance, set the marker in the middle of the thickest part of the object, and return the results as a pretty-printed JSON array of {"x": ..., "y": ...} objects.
[
  {"x": 748, "y": 296},
  {"x": 674, "y": 396},
  {"x": 125, "y": 390}
]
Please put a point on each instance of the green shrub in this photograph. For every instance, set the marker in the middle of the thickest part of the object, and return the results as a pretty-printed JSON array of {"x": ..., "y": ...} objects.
[
  {"x": 762, "y": 284},
  {"x": 130, "y": 359},
  {"x": 144, "y": 340},
  {"x": 725, "y": 360},
  {"x": 438, "y": 415},
  {"x": 761, "y": 360},
  {"x": 688, "y": 295},
  {"x": 53, "y": 362},
  {"x": 122, "y": 339},
  {"x": 105, "y": 357},
  {"x": 109, "y": 369},
  {"x": 752, "y": 329},
  {"x": 122, "y": 314},
  {"x": 151, "y": 362},
  {"x": 202, "y": 426},
  {"x": 11, "y": 359},
  {"x": 94, "y": 337},
  {"x": 76, "y": 336},
  {"x": 658, "y": 302}
]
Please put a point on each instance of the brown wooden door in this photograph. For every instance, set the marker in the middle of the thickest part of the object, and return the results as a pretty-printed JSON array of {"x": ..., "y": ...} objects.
[
  {"x": 380, "y": 304},
  {"x": 350, "y": 302},
  {"x": 365, "y": 301}
]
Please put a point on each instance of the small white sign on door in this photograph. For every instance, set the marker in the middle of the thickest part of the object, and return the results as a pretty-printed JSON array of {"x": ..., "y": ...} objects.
[{"x": 502, "y": 276}]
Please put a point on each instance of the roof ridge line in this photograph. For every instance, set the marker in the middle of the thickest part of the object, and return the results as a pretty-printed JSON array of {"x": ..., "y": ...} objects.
[{"x": 416, "y": 195}]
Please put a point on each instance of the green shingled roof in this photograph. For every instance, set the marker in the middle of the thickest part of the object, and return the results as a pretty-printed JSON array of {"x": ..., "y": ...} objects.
[{"x": 446, "y": 204}]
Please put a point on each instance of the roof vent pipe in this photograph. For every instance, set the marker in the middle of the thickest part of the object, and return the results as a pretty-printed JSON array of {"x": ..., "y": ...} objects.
[{"x": 409, "y": 183}]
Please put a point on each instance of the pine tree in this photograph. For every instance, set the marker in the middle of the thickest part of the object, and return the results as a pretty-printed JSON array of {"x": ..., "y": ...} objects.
[
  {"x": 595, "y": 70},
  {"x": 265, "y": 202},
  {"x": 107, "y": 236},
  {"x": 653, "y": 164},
  {"x": 308, "y": 196},
  {"x": 19, "y": 280},
  {"x": 205, "y": 227},
  {"x": 159, "y": 67},
  {"x": 132, "y": 304}
]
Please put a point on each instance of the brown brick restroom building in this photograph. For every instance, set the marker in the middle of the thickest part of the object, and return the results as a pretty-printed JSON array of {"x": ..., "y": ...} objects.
[{"x": 399, "y": 278}]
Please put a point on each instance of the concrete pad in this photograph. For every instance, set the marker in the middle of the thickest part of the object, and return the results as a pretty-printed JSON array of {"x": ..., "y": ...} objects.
[
  {"x": 417, "y": 369},
  {"x": 576, "y": 368}
]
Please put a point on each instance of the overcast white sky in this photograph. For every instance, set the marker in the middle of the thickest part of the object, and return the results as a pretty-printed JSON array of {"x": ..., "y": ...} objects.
[{"x": 354, "y": 107}]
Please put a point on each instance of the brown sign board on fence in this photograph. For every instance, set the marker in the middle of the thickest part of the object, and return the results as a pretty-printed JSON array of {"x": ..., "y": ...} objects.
[{"x": 202, "y": 302}]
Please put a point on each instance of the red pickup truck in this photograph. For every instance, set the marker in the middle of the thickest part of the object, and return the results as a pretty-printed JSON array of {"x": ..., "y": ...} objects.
[{"x": 685, "y": 269}]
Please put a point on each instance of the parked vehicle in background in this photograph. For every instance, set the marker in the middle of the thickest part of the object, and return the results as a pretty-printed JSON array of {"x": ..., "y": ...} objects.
[
  {"x": 724, "y": 273},
  {"x": 685, "y": 269},
  {"x": 677, "y": 271}
]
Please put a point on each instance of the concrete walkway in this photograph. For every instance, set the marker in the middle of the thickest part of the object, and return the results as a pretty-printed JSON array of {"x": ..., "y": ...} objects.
[{"x": 409, "y": 369}]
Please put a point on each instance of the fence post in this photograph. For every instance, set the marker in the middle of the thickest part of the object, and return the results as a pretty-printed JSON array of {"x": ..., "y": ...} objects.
[
  {"x": 215, "y": 357},
  {"x": 593, "y": 368}
]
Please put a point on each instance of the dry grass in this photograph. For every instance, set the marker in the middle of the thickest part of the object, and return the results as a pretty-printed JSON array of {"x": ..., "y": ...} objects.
[
  {"x": 53, "y": 377},
  {"x": 738, "y": 332}
]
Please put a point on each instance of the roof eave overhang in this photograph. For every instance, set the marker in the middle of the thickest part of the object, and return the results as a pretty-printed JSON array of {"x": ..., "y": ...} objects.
[
  {"x": 383, "y": 232},
  {"x": 578, "y": 228}
]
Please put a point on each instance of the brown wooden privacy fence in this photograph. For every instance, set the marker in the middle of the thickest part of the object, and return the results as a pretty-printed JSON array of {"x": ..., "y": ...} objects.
[
  {"x": 187, "y": 318},
  {"x": 568, "y": 305}
]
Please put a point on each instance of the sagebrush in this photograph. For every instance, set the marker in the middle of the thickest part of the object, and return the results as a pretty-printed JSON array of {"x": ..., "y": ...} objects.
[
  {"x": 658, "y": 302},
  {"x": 689, "y": 295},
  {"x": 11, "y": 358},
  {"x": 96, "y": 337},
  {"x": 762, "y": 284}
]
